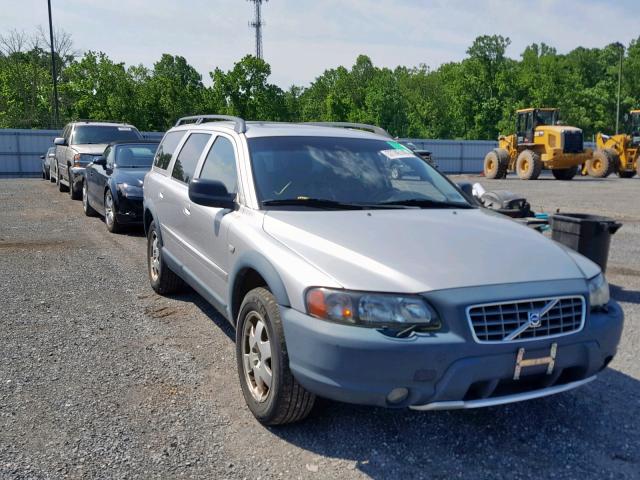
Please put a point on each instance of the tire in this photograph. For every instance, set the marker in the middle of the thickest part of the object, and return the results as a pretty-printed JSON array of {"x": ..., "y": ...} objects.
[
  {"x": 61, "y": 187},
  {"x": 73, "y": 193},
  {"x": 601, "y": 165},
  {"x": 283, "y": 400},
  {"x": 44, "y": 174},
  {"x": 110, "y": 217},
  {"x": 162, "y": 279},
  {"x": 528, "y": 165},
  {"x": 565, "y": 173},
  {"x": 630, "y": 174},
  {"x": 51, "y": 179},
  {"x": 86, "y": 207},
  {"x": 496, "y": 163}
]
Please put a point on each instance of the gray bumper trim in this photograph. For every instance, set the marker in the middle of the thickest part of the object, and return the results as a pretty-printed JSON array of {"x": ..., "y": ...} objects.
[{"x": 489, "y": 402}]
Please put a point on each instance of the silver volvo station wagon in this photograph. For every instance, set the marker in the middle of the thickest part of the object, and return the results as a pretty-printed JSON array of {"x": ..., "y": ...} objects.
[{"x": 345, "y": 282}]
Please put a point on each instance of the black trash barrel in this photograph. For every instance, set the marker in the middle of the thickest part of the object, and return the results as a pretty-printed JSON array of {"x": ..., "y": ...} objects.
[{"x": 587, "y": 234}]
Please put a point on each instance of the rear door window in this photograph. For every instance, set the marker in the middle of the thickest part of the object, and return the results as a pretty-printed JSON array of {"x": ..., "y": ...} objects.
[
  {"x": 185, "y": 165},
  {"x": 166, "y": 149}
]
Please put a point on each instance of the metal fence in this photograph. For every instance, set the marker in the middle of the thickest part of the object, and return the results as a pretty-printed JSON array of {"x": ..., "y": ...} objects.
[{"x": 20, "y": 150}]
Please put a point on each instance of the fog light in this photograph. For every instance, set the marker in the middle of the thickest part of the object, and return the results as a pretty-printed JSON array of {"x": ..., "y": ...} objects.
[{"x": 397, "y": 395}]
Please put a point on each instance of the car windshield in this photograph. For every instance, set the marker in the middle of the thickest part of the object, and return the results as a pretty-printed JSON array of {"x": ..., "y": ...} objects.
[
  {"x": 135, "y": 156},
  {"x": 84, "y": 135},
  {"x": 344, "y": 172},
  {"x": 547, "y": 117}
]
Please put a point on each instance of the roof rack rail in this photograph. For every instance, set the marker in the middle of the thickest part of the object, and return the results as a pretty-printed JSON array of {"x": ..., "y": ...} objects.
[
  {"x": 240, "y": 125},
  {"x": 360, "y": 126},
  {"x": 93, "y": 120}
]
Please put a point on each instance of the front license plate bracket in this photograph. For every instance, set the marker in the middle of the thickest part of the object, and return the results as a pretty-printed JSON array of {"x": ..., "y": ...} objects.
[{"x": 522, "y": 362}]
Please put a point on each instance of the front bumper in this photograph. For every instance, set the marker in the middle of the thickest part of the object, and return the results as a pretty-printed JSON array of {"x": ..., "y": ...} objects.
[
  {"x": 129, "y": 209},
  {"x": 447, "y": 369}
]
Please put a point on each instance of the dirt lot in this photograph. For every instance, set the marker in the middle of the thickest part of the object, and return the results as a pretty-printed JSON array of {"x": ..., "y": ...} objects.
[{"x": 101, "y": 378}]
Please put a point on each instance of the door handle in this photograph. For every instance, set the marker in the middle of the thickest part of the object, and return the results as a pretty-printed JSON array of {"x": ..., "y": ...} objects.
[{"x": 187, "y": 210}]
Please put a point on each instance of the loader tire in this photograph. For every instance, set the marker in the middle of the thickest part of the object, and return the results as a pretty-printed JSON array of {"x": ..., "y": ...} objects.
[
  {"x": 630, "y": 174},
  {"x": 602, "y": 164},
  {"x": 496, "y": 163},
  {"x": 528, "y": 165},
  {"x": 564, "y": 173}
]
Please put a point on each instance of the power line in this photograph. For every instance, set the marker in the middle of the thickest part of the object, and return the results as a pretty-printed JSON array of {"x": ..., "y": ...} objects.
[{"x": 257, "y": 23}]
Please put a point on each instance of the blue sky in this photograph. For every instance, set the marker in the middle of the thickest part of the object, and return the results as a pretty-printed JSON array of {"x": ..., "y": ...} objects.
[{"x": 302, "y": 38}]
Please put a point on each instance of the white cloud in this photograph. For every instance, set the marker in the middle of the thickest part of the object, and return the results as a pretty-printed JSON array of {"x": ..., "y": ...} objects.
[{"x": 302, "y": 38}]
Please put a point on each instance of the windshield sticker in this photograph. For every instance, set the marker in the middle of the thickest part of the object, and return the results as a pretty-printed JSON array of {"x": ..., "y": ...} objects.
[
  {"x": 393, "y": 154},
  {"x": 398, "y": 146},
  {"x": 124, "y": 129}
]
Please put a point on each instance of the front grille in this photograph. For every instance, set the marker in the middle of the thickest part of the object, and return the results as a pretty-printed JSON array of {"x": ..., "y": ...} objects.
[
  {"x": 573, "y": 141},
  {"x": 495, "y": 322}
]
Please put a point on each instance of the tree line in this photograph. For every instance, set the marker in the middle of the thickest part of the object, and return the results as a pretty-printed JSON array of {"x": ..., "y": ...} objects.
[{"x": 471, "y": 99}]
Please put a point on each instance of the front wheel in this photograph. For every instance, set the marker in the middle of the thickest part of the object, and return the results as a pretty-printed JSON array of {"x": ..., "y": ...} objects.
[
  {"x": 73, "y": 192},
  {"x": 110, "y": 217},
  {"x": 271, "y": 392},
  {"x": 601, "y": 165}
]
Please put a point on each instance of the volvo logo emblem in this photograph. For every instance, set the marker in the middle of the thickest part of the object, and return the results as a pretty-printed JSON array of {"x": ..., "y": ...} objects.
[{"x": 535, "y": 319}]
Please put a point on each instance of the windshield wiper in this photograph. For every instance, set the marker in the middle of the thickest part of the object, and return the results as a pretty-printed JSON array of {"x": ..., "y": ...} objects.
[
  {"x": 325, "y": 203},
  {"x": 426, "y": 203},
  {"x": 310, "y": 202}
]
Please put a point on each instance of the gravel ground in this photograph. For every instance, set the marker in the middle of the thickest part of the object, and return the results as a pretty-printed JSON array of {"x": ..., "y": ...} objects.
[{"x": 101, "y": 378}]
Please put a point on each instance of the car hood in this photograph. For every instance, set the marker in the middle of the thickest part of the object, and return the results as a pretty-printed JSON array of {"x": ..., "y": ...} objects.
[
  {"x": 130, "y": 176},
  {"x": 420, "y": 250},
  {"x": 92, "y": 149}
]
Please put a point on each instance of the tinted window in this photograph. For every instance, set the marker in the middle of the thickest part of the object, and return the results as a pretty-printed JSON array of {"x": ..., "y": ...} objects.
[
  {"x": 135, "y": 156},
  {"x": 185, "y": 165},
  {"x": 220, "y": 164},
  {"x": 166, "y": 148},
  {"x": 91, "y": 134}
]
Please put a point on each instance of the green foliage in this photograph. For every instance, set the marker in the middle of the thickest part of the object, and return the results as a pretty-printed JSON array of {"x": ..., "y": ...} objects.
[{"x": 475, "y": 98}]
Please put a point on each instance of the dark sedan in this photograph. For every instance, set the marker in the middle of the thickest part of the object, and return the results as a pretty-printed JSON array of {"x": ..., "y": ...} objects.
[{"x": 112, "y": 186}]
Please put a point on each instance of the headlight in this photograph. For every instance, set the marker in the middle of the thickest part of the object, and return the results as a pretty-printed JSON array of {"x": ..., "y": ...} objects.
[
  {"x": 598, "y": 291},
  {"x": 130, "y": 190},
  {"x": 371, "y": 309}
]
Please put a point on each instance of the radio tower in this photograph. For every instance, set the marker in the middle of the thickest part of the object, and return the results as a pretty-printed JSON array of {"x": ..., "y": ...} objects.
[{"x": 257, "y": 24}]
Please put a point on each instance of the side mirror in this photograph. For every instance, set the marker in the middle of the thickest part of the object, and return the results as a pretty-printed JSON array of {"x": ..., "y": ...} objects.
[
  {"x": 59, "y": 141},
  {"x": 466, "y": 187},
  {"x": 210, "y": 193},
  {"x": 100, "y": 161},
  {"x": 42, "y": 157}
]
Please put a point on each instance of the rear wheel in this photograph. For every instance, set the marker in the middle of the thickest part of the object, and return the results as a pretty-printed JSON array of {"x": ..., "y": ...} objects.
[
  {"x": 528, "y": 165},
  {"x": 496, "y": 163},
  {"x": 601, "y": 165},
  {"x": 88, "y": 209},
  {"x": 61, "y": 187},
  {"x": 626, "y": 174},
  {"x": 564, "y": 173},
  {"x": 272, "y": 393},
  {"x": 162, "y": 279}
]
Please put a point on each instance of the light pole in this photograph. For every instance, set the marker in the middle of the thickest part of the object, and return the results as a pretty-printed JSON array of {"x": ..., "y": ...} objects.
[
  {"x": 53, "y": 69},
  {"x": 621, "y": 47}
]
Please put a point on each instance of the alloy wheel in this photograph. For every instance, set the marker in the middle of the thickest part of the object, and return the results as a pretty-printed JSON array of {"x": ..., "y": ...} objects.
[
  {"x": 108, "y": 208},
  {"x": 154, "y": 259},
  {"x": 256, "y": 356}
]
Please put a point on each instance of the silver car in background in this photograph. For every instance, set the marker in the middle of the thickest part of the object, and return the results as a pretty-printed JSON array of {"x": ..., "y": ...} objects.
[{"x": 346, "y": 282}]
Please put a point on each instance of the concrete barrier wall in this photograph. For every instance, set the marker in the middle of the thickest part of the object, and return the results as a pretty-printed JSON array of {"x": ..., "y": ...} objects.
[{"x": 20, "y": 151}]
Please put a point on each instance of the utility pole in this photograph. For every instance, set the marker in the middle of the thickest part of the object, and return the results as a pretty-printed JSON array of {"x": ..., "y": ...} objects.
[
  {"x": 54, "y": 74},
  {"x": 619, "y": 45},
  {"x": 257, "y": 23}
]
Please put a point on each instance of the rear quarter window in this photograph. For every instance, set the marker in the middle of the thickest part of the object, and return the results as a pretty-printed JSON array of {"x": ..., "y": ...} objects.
[{"x": 166, "y": 148}]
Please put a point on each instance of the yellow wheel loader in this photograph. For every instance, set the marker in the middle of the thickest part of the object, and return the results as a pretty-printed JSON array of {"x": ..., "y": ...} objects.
[
  {"x": 617, "y": 153},
  {"x": 540, "y": 143}
]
